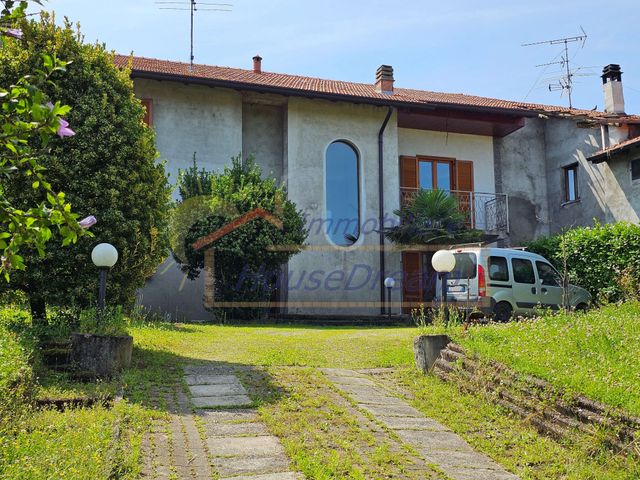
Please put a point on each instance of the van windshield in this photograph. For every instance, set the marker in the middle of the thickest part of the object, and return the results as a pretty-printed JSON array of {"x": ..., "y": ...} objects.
[{"x": 466, "y": 266}]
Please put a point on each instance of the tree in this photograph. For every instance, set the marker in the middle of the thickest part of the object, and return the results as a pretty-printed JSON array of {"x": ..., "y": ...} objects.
[
  {"x": 107, "y": 169},
  {"x": 29, "y": 121},
  {"x": 247, "y": 268},
  {"x": 431, "y": 217}
]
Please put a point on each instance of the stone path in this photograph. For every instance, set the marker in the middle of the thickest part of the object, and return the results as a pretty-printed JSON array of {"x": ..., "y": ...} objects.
[
  {"x": 227, "y": 442},
  {"x": 436, "y": 444}
]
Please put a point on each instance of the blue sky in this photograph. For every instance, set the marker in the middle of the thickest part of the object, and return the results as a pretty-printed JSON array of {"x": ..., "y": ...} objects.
[{"x": 465, "y": 46}]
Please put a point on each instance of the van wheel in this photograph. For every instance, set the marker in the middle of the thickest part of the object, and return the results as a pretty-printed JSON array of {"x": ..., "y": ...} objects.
[
  {"x": 582, "y": 307},
  {"x": 502, "y": 312}
]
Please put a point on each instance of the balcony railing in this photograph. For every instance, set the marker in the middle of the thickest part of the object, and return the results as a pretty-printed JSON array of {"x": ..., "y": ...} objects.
[{"x": 485, "y": 211}]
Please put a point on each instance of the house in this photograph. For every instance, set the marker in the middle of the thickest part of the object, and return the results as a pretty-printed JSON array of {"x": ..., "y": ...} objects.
[{"x": 349, "y": 153}]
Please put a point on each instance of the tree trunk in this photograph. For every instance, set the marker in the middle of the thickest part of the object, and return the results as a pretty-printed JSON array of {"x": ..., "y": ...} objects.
[{"x": 38, "y": 310}]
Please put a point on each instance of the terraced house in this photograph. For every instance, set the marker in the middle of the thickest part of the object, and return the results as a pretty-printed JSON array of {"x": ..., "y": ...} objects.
[{"x": 349, "y": 153}]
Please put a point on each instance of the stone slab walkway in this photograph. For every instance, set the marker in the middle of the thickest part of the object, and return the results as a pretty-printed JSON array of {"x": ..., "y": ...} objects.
[{"x": 436, "y": 443}]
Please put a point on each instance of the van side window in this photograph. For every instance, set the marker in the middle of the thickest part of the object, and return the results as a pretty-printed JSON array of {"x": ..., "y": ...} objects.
[
  {"x": 498, "y": 269},
  {"x": 522, "y": 270},
  {"x": 548, "y": 275}
]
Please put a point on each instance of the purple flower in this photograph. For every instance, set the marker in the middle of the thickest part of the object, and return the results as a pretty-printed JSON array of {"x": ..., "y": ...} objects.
[
  {"x": 50, "y": 105},
  {"x": 13, "y": 32},
  {"x": 88, "y": 222},
  {"x": 64, "y": 130}
]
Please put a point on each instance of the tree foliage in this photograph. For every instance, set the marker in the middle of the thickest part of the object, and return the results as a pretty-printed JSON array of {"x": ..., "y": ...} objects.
[
  {"x": 247, "y": 268},
  {"x": 107, "y": 169},
  {"x": 29, "y": 122},
  {"x": 431, "y": 217},
  {"x": 604, "y": 259}
]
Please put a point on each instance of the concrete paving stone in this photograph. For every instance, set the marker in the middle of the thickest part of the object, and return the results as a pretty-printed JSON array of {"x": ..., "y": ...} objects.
[
  {"x": 434, "y": 441},
  {"x": 228, "y": 467},
  {"x": 234, "y": 415},
  {"x": 363, "y": 390},
  {"x": 210, "y": 379},
  {"x": 412, "y": 423},
  {"x": 459, "y": 459},
  {"x": 342, "y": 372},
  {"x": 457, "y": 473},
  {"x": 392, "y": 410},
  {"x": 262, "y": 446},
  {"x": 207, "y": 370},
  {"x": 377, "y": 399},
  {"x": 268, "y": 476},
  {"x": 217, "y": 390},
  {"x": 221, "y": 401},
  {"x": 340, "y": 381},
  {"x": 219, "y": 429}
]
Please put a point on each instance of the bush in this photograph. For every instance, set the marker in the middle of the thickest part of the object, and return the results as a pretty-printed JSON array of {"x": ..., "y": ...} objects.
[
  {"x": 108, "y": 169},
  {"x": 604, "y": 259}
]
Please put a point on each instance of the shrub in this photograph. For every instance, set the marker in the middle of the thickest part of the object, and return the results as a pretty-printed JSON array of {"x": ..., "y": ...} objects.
[
  {"x": 107, "y": 169},
  {"x": 604, "y": 259}
]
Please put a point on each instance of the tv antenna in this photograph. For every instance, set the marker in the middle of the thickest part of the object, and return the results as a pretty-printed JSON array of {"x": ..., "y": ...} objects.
[
  {"x": 565, "y": 83},
  {"x": 193, "y": 6}
]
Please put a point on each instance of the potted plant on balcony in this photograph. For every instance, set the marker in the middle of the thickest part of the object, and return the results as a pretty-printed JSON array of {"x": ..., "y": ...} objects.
[{"x": 101, "y": 346}]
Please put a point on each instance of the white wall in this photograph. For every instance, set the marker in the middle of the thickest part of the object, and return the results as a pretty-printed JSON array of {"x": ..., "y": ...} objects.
[{"x": 476, "y": 148}]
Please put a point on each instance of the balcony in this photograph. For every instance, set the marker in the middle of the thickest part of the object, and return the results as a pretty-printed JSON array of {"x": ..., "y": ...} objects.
[{"x": 488, "y": 212}]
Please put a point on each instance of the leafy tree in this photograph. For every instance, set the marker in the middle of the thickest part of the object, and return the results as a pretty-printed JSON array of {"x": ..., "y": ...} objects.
[
  {"x": 431, "y": 217},
  {"x": 246, "y": 267},
  {"x": 29, "y": 121},
  {"x": 107, "y": 169}
]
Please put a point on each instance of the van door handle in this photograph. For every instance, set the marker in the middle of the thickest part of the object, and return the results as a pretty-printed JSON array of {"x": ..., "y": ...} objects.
[
  {"x": 544, "y": 290},
  {"x": 533, "y": 290}
]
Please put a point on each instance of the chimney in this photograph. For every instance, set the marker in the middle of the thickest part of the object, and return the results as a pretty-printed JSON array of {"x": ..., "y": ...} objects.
[
  {"x": 257, "y": 64},
  {"x": 612, "y": 86},
  {"x": 384, "y": 79}
]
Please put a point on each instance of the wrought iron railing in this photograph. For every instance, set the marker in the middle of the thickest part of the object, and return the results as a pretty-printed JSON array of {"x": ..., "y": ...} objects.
[{"x": 485, "y": 211}]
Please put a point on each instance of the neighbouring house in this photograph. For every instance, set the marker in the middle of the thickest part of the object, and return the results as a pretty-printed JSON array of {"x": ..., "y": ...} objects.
[{"x": 349, "y": 153}]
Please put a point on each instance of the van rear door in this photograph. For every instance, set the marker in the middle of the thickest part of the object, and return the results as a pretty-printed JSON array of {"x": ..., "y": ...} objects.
[{"x": 462, "y": 284}]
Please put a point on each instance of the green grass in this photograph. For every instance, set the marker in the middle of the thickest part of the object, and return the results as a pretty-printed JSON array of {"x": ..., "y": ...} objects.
[
  {"x": 283, "y": 345},
  {"x": 596, "y": 354}
]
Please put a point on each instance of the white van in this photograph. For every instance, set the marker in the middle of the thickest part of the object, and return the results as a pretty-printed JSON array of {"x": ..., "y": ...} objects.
[{"x": 503, "y": 282}]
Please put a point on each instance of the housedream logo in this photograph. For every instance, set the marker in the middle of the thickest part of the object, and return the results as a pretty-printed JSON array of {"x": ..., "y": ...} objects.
[{"x": 358, "y": 279}]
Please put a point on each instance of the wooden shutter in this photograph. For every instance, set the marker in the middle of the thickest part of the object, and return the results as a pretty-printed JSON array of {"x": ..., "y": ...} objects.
[
  {"x": 147, "y": 103},
  {"x": 411, "y": 280},
  {"x": 408, "y": 172},
  {"x": 464, "y": 187}
]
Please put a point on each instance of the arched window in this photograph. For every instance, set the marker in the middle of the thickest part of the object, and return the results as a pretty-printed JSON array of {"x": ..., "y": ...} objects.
[{"x": 342, "y": 192}]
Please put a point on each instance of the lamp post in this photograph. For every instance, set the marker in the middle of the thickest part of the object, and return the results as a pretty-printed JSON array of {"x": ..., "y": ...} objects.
[
  {"x": 104, "y": 256},
  {"x": 443, "y": 262},
  {"x": 389, "y": 282}
]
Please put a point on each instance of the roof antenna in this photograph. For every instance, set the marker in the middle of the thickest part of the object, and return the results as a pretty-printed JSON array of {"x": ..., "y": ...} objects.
[
  {"x": 194, "y": 6},
  {"x": 565, "y": 83}
]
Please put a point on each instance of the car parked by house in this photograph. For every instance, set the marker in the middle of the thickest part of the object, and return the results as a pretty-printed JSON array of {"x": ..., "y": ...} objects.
[{"x": 503, "y": 282}]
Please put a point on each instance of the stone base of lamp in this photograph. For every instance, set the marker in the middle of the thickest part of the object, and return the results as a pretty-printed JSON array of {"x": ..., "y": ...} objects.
[{"x": 100, "y": 355}]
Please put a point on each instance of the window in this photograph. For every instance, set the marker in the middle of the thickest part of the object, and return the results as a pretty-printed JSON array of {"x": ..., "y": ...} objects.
[
  {"x": 635, "y": 169},
  {"x": 435, "y": 174},
  {"x": 498, "y": 269},
  {"x": 342, "y": 194},
  {"x": 466, "y": 266},
  {"x": 522, "y": 271},
  {"x": 147, "y": 103},
  {"x": 571, "y": 183},
  {"x": 548, "y": 275}
]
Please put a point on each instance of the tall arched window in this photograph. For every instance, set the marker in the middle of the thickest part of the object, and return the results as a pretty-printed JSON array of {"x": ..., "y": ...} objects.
[{"x": 342, "y": 194}]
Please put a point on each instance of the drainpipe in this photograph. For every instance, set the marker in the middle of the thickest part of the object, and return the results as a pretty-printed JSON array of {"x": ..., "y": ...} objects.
[{"x": 381, "y": 206}]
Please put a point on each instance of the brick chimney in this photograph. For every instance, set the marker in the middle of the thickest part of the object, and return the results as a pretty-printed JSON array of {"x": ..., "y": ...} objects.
[
  {"x": 257, "y": 64},
  {"x": 612, "y": 86},
  {"x": 384, "y": 79}
]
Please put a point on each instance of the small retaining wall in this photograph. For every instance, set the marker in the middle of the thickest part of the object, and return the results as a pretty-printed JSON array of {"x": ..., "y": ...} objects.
[{"x": 552, "y": 411}]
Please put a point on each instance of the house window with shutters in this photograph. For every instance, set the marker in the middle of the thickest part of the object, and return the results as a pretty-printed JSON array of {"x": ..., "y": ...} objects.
[{"x": 147, "y": 103}]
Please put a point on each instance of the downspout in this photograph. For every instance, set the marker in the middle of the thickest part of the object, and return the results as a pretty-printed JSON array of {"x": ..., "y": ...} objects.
[{"x": 381, "y": 206}]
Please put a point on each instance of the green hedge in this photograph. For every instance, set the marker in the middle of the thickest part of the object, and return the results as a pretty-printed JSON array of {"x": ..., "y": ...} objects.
[{"x": 604, "y": 259}]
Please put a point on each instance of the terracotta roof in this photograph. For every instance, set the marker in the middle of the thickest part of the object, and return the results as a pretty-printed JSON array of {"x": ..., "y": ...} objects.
[
  {"x": 603, "y": 154},
  {"x": 365, "y": 92}
]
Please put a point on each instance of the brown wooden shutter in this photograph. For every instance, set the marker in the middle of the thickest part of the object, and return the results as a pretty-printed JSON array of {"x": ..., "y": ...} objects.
[
  {"x": 411, "y": 281},
  {"x": 147, "y": 103},
  {"x": 464, "y": 187},
  {"x": 408, "y": 172}
]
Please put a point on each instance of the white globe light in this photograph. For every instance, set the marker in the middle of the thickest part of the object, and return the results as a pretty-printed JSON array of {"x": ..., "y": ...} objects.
[
  {"x": 443, "y": 261},
  {"x": 389, "y": 282},
  {"x": 104, "y": 255}
]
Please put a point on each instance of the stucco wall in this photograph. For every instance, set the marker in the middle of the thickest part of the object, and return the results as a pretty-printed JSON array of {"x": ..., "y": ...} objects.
[
  {"x": 476, "y": 148},
  {"x": 262, "y": 136},
  {"x": 312, "y": 126}
]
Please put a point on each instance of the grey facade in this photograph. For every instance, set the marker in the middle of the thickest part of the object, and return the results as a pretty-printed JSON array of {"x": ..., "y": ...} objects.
[{"x": 288, "y": 134}]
